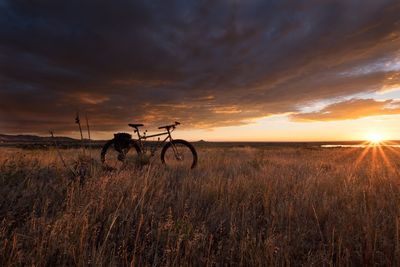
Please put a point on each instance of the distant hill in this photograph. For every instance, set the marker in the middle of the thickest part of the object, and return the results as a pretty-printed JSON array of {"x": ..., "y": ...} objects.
[
  {"x": 34, "y": 141},
  {"x": 6, "y": 138}
]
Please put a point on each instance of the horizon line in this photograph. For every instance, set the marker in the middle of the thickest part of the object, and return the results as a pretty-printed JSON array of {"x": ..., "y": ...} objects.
[{"x": 217, "y": 141}]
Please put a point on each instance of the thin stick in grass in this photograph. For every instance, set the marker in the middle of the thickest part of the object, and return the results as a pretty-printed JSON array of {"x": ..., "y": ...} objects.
[
  {"x": 87, "y": 125},
  {"x": 88, "y": 130},
  {"x": 78, "y": 121},
  {"x": 59, "y": 154}
]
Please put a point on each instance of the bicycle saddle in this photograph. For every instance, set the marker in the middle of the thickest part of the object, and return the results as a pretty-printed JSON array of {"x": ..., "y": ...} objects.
[{"x": 135, "y": 125}]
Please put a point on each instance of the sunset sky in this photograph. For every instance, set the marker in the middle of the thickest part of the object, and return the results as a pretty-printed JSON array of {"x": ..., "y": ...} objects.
[{"x": 284, "y": 70}]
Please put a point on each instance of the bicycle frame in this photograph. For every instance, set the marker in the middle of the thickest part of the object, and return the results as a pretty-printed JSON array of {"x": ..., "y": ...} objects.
[{"x": 159, "y": 143}]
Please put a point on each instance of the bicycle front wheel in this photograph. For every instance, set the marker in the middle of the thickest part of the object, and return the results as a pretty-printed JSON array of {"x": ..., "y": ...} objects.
[{"x": 180, "y": 154}]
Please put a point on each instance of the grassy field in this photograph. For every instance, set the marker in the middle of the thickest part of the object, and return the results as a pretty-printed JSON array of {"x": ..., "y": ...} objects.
[{"x": 242, "y": 206}]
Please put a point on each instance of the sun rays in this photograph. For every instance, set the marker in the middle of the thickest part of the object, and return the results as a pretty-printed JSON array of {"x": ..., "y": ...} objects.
[{"x": 378, "y": 154}]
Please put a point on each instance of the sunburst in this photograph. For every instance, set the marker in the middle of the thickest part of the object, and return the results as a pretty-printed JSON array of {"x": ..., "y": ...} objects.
[{"x": 375, "y": 138}]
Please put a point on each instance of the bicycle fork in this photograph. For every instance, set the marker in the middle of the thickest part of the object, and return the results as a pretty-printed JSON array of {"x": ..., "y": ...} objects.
[
  {"x": 174, "y": 148},
  {"x": 178, "y": 156}
]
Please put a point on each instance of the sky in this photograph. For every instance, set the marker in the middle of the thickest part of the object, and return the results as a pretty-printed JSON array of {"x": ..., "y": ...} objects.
[{"x": 228, "y": 70}]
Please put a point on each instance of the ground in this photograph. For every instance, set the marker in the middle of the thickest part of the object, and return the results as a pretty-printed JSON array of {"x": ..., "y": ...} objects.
[{"x": 245, "y": 206}]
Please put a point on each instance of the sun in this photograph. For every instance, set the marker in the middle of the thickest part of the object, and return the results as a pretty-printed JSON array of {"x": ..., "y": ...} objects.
[{"x": 375, "y": 138}]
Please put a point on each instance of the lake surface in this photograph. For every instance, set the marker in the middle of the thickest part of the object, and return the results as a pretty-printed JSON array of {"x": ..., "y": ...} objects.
[{"x": 355, "y": 146}]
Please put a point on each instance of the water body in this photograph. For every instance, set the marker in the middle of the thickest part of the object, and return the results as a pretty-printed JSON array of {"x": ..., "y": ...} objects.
[{"x": 357, "y": 146}]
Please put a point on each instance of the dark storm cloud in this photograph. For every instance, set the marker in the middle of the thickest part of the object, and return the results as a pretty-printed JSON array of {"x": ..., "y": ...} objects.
[{"x": 207, "y": 63}]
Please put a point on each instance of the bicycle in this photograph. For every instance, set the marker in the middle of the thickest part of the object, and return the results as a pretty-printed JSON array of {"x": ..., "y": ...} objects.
[{"x": 122, "y": 150}]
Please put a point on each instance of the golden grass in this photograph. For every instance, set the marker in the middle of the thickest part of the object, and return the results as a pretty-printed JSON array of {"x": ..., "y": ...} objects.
[{"x": 241, "y": 206}]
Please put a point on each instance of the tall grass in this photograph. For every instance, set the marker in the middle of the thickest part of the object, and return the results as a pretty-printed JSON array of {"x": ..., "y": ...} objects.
[{"x": 241, "y": 206}]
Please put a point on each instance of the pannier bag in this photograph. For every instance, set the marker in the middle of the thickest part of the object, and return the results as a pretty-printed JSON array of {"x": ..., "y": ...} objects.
[{"x": 122, "y": 141}]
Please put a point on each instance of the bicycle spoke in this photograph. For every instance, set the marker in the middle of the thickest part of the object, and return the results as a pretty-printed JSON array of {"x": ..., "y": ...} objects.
[
  {"x": 132, "y": 159},
  {"x": 178, "y": 156},
  {"x": 114, "y": 159},
  {"x": 118, "y": 160}
]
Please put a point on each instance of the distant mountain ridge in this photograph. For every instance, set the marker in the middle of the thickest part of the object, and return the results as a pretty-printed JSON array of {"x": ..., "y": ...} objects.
[{"x": 24, "y": 138}]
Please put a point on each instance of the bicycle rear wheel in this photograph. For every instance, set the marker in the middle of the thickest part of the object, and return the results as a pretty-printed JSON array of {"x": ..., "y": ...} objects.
[
  {"x": 179, "y": 154},
  {"x": 114, "y": 158}
]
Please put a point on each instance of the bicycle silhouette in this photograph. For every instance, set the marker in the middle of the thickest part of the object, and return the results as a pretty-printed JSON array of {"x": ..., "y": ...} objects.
[{"x": 123, "y": 150}]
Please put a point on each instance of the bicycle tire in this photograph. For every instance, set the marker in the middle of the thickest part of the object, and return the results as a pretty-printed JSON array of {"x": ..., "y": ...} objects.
[
  {"x": 180, "y": 142},
  {"x": 110, "y": 145}
]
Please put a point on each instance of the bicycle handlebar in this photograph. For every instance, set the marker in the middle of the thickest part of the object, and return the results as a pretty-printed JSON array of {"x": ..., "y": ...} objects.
[{"x": 170, "y": 126}]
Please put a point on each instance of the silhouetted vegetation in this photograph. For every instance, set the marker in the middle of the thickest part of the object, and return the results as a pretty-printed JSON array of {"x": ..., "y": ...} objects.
[{"x": 241, "y": 206}]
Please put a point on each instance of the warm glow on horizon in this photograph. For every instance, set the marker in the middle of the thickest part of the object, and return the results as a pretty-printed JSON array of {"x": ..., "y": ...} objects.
[
  {"x": 375, "y": 137},
  {"x": 279, "y": 129}
]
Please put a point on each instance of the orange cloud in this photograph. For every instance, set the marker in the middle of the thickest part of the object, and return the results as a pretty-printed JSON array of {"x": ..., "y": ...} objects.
[
  {"x": 92, "y": 99},
  {"x": 207, "y": 64},
  {"x": 350, "y": 109}
]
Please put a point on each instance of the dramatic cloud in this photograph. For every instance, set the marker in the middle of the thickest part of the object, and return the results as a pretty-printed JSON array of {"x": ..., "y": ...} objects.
[
  {"x": 351, "y": 109},
  {"x": 206, "y": 63}
]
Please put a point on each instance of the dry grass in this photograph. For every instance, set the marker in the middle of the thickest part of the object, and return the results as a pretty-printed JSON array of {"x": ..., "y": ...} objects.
[{"x": 241, "y": 206}]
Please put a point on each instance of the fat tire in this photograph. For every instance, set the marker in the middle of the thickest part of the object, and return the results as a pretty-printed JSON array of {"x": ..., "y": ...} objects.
[
  {"x": 104, "y": 150},
  {"x": 109, "y": 144},
  {"x": 182, "y": 142}
]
